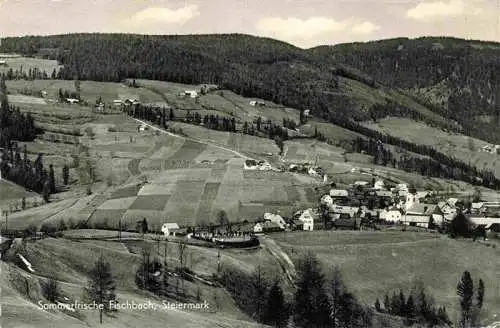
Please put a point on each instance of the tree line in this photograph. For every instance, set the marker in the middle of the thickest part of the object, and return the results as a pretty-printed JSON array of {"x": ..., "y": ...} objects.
[{"x": 14, "y": 125}]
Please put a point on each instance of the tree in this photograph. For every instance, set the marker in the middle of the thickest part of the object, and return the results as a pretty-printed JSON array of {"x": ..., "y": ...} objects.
[
  {"x": 402, "y": 304},
  {"x": 148, "y": 275},
  {"x": 50, "y": 290},
  {"x": 65, "y": 174},
  {"x": 465, "y": 290},
  {"x": 477, "y": 195},
  {"x": 143, "y": 226},
  {"x": 222, "y": 218},
  {"x": 480, "y": 294},
  {"x": 410, "y": 307},
  {"x": 46, "y": 191},
  {"x": 62, "y": 225},
  {"x": 387, "y": 304},
  {"x": 377, "y": 305},
  {"x": 279, "y": 142},
  {"x": 259, "y": 293},
  {"x": 311, "y": 307},
  {"x": 459, "y": 226},
  {"x": 52, "y": 179},
  {"x": 101, "y": 287}
]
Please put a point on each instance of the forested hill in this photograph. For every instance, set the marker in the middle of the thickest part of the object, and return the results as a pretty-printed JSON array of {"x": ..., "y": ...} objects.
[
  {"x": 457, "y": 78},
  {"x": 440, "y": 81}
]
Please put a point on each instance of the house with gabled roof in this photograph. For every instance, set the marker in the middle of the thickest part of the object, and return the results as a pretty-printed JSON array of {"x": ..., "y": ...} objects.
[{"x": 420, "y": 215}]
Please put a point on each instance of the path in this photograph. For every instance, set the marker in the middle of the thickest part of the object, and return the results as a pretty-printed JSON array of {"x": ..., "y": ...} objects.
[
  {"x": 281, "y": 257},
  {"x": 237, "y": 153}
]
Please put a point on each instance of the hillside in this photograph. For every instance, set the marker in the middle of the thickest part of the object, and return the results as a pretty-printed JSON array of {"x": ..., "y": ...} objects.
[
  {"x": 250, "y": 66},
  {"x": 456, "y": 78}
]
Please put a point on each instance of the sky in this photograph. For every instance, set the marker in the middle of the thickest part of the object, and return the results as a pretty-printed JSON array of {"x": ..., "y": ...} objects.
[{"x": 304, "y": 23}]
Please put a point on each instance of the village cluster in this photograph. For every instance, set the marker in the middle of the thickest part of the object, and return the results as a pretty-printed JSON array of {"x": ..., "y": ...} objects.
[{"x": 360, "y": 206}]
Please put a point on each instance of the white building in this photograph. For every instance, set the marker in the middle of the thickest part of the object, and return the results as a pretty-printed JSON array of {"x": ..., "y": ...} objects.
[
  {"x": 361, "y": 183},
  {"x": 402, "y": 187},
  {"x": 191, "y": 93},
  {"x": 169, "y": 228},
  {"x": 379, "y": 185},
  {"x": 307, "y": 219},
  {"x": 257, "y": 228},
  {"x": 391, "y": 215},
  {"x": 411, "y": 200}
]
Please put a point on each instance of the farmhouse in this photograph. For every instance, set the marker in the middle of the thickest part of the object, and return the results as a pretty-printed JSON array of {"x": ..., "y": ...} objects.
[
  {"x": 361, "y": 183},
  {"x": 118, "y": 102},
  {"x": 170, "y": 228},
  {"x": 419, "y": 215},
  {"x": 3, "y": 63},
  {"x": 349, "y": 210},
  {"x": 307, "y": 219}
]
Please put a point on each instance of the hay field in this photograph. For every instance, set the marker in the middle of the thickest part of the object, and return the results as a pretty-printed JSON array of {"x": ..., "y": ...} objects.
[{"x": 374, "y": 263}]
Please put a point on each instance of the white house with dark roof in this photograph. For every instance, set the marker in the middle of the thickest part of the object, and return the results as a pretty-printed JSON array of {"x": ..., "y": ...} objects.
[
  {"x": 307, "y": 218},
  {"x": 169, "y": 228}
]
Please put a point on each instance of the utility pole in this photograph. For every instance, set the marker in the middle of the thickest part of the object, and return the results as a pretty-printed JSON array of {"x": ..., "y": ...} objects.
[{"x": 165, "y": 251}]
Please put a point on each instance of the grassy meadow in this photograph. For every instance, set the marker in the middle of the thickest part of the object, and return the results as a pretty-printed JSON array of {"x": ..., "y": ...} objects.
[{"x": 375, "y": 263}]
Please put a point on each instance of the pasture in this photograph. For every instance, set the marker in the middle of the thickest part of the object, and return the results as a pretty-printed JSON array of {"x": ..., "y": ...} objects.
[{"x": 375, "y": 263}]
